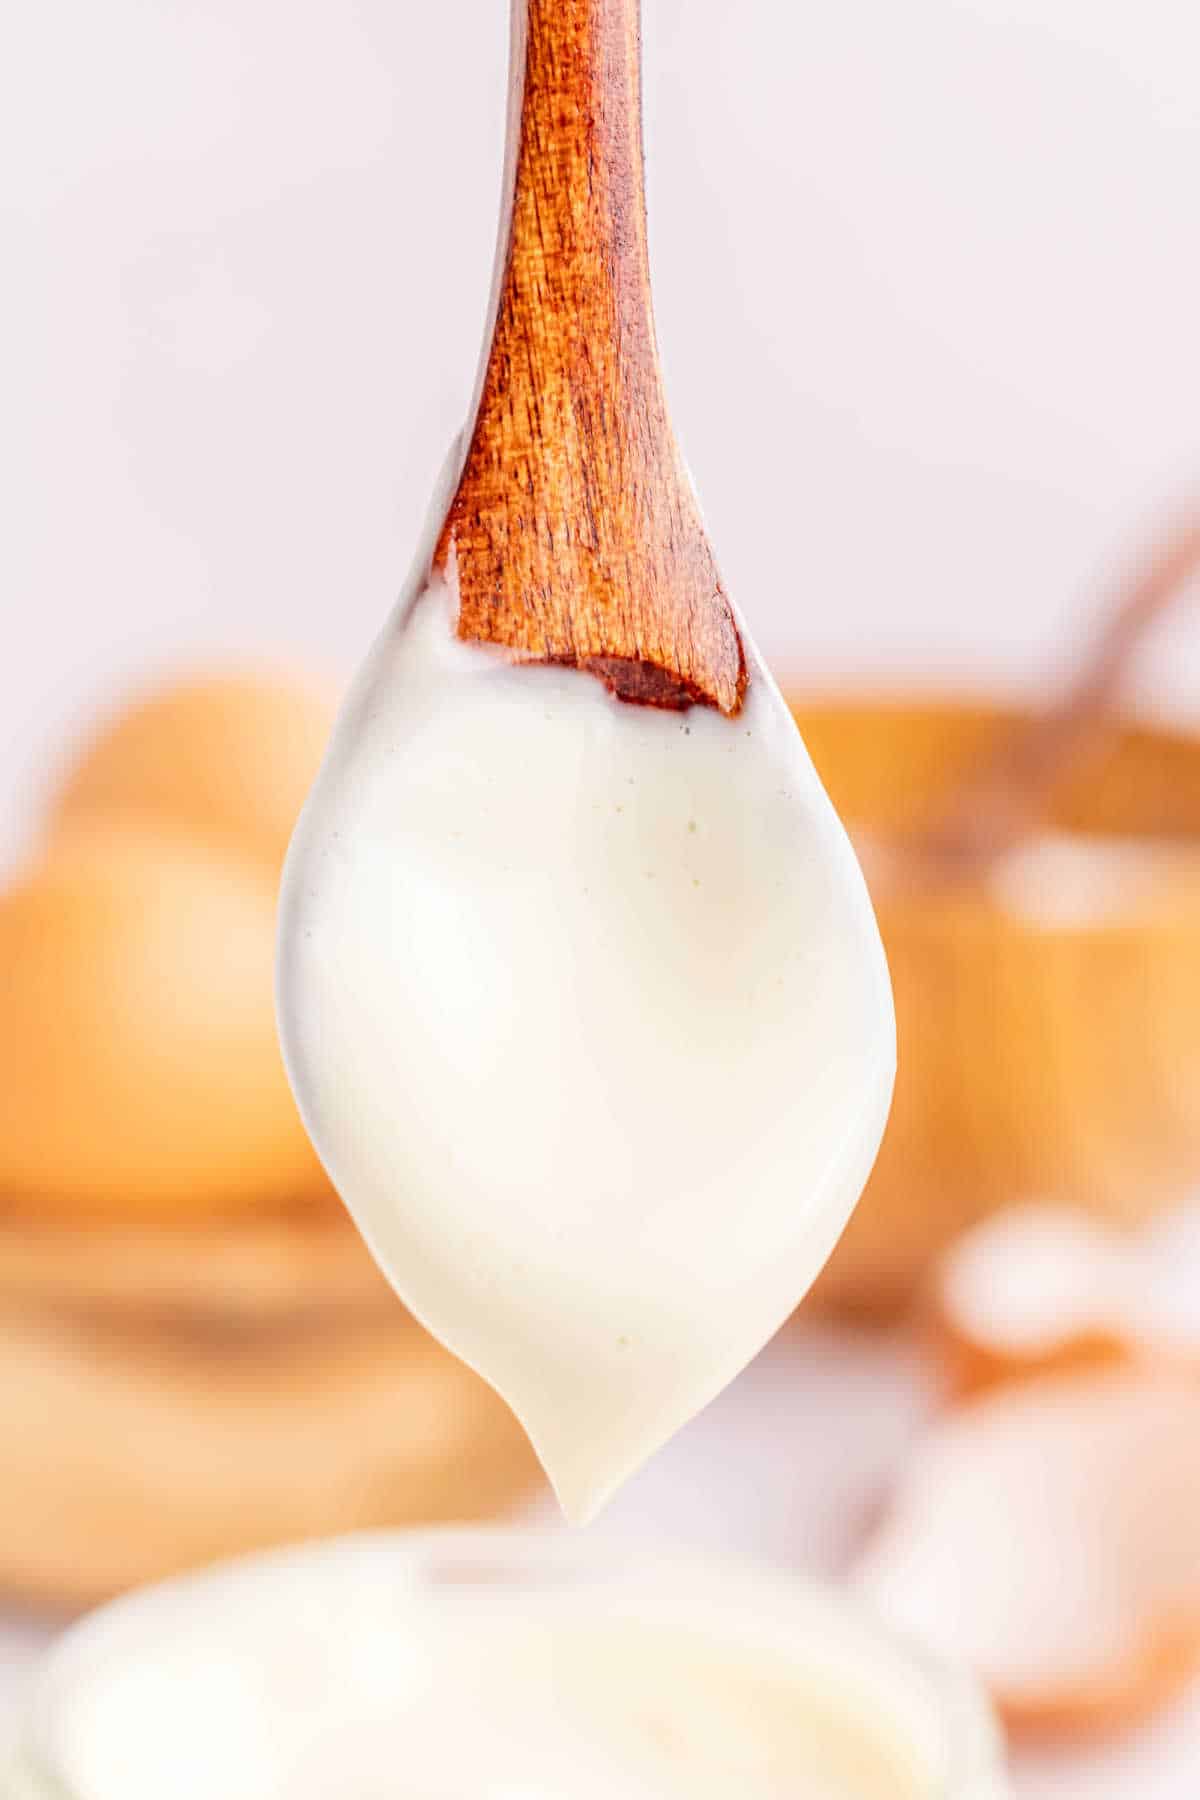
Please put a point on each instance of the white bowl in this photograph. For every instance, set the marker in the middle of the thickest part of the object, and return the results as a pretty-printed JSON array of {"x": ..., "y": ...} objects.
[{"x": 465, "y": 1665}]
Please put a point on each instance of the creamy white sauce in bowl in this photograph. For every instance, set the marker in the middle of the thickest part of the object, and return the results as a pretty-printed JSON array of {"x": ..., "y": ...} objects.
[{"x": 493, "y": 1666}]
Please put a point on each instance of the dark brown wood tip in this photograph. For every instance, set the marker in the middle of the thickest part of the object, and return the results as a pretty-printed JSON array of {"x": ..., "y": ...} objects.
[{"x": 573, "y": 536}]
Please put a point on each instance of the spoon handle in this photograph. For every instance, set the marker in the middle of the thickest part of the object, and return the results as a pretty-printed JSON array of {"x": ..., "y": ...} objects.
[
  {"x": 1004, "y": 800},
  {"x": 574, "y": 536}
]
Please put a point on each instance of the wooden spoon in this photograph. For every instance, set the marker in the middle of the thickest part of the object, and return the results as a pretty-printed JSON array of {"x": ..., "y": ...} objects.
[
  {"x": 573, "y": 535},
  {"x": 1003, "y": 800}
]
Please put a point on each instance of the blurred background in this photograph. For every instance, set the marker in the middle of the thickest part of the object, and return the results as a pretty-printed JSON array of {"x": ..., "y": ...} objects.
[{"x": 927, "y": 282}]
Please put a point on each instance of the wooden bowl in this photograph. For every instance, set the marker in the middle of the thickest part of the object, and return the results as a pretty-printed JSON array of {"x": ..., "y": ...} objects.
[
  {"x": 168, "y": 1397},
  {"x": 1036, "y": 1056}
]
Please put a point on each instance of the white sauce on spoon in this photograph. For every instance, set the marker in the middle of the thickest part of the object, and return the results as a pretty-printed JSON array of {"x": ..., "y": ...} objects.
[{"x": 586, "y": 1010}]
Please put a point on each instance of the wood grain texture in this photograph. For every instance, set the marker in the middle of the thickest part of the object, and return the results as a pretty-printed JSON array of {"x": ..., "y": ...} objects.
[{"x": 573, "y": 536}]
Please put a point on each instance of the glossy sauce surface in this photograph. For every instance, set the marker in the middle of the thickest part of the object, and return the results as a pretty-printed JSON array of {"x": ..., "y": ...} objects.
[{"x": 586, "y": 1010}]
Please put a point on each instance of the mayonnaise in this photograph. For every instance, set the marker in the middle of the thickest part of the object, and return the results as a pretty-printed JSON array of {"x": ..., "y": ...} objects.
[
  {"x": 482, "y": 1666},
  {"x": 587, "y": 1013}
]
